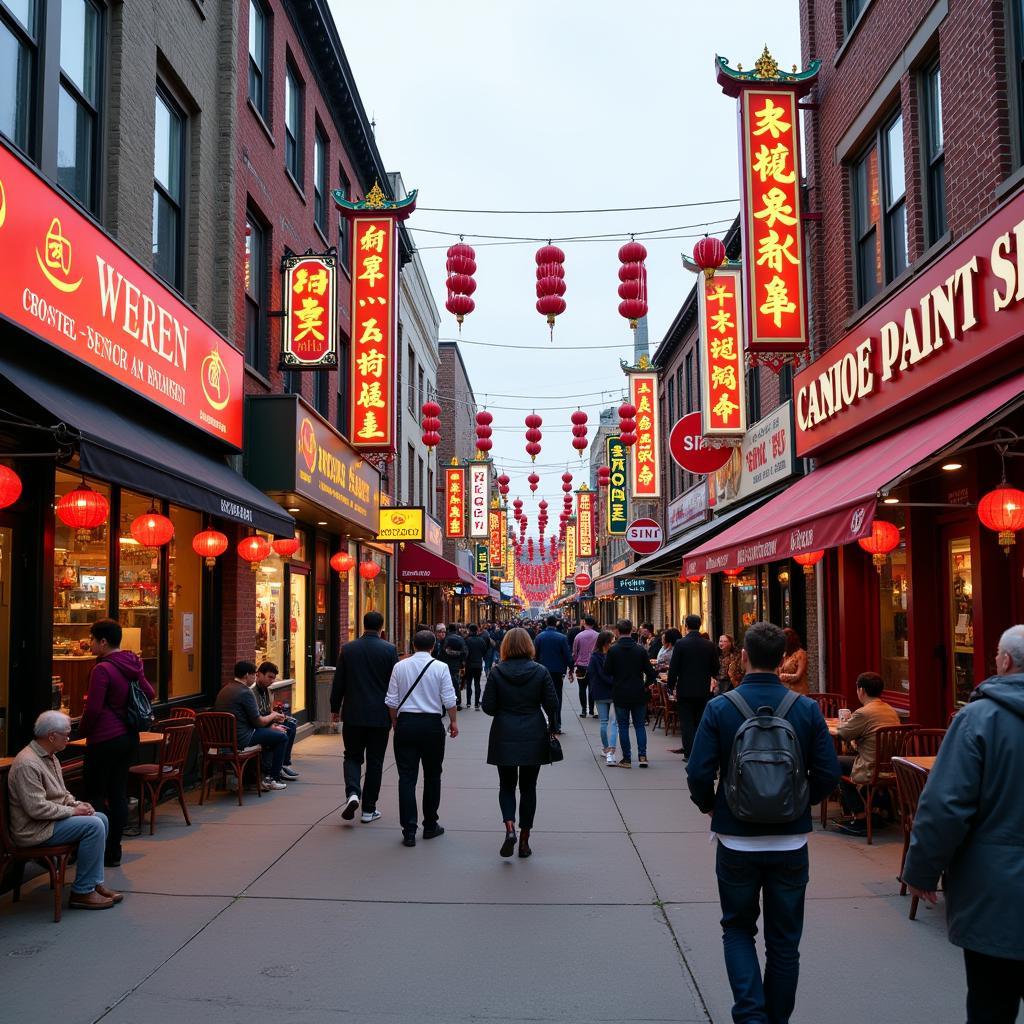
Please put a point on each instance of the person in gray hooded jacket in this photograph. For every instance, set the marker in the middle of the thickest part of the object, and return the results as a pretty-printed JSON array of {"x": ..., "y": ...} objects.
[{"x": 969, "y": 824}]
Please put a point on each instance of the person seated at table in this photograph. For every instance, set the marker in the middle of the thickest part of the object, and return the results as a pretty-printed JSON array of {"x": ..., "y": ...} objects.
[
  {"x": 44, "y": 813},
  {"x": 266, "y": 676},
  {"x": 668, "y": 645},
  {"x": 860, "y": 729},
  {"x": 253, "y": 728}
]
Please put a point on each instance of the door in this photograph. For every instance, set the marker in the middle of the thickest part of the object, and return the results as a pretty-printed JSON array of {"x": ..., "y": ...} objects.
[
  {"x": 959, "y": 570},
  {"x": 6, "y": 559},
  {"x": 298, "y": 637}
]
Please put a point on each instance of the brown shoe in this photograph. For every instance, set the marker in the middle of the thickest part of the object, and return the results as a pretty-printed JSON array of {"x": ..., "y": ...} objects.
[
  {"x": 90, "y": 901},
  {"x": 117, "y": 897}
]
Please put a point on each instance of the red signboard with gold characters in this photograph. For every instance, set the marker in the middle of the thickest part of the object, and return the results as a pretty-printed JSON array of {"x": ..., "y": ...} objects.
[
  {"x": 585, "y": 527},
  {"x": 645, "y": 455},
  {"x": 723, "y": 405},
  {"x": 454, "y": 502},
  {"x": 310, "y": 339}
]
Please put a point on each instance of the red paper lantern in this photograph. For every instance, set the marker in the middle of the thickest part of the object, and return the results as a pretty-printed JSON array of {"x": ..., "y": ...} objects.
[
  {"x": 369, "y": 570},
  {"x": 342, "y": 562},
  {"x": 533, "y": 435},
  {"x": 809, "y": 559},
  {"x": 627, "y": 424},
  {"x": 431, "y": 424},
  {"x": 633, "y": 282},
  {"x": 286, "y": 546},
  {"x": 208, "y": 545},
  {"x": 884, "y": 538},
  {"x": 604, "y": 476},
  {"x": 1002, "y": 510},
  {"x": 550, "y": 282},
  {"x": 151, "y": 529},
  {"x": 694, "y": 579},
  {"x": 709, "y": 255},
  {"x": 82, "y": 508},
  {"x": 461, "y": 266},
  {"x": 10, "y": 487},
  {"x": 734, "y": 573},
  {"x": 254, "y": 549}
]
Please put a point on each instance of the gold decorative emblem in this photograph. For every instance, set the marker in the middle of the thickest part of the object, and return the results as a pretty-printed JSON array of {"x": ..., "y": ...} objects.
[
  {"x": 375, "y": 197},
  {"x": 58, "y": 257},
  {"x": 644, "y": 362},
  {"x": 213, "y": 377},
  {"x": 766, "y": 66},
  {"x": 3, "y": 205}
]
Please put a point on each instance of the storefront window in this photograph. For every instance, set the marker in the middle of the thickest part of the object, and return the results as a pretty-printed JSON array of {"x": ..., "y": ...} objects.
[
  {"x": 375, "y": 591},
  {"x": 322, "y": 573},
  {"x": 185, "y": 601},
  {"x": 892, "y": 605},
  {"x": 353, "y": 593},
  {"x": 297, "y": 638},
  {"x": 962, "y": 618},
  {"x": 81, "y": 579},
  {"x": 744, "y": 595},
  {"x": 270, "y": 611},
  {"x": 138, "y": 590}
]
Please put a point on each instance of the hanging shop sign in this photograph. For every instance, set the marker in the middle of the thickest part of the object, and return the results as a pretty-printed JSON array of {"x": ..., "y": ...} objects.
[
  {"x": 373, "y": 227},
  {"x": 689, "y": 507},
  {"x": 618, "y": 495},
  {"x": 482, "y": 562},
  {"x": 764, "y": 458},
  {"x": 454, "y": 502},
  {"x": 310, "y": 337},
  {"x": 723, "y": 400},
  {"x": 582, "y": 581},
  {"x": 626, "y": 586},
  {"x": 433, "y": 538},
  {"x": 771, "y": 216},
  {"x": 935, "y": 340},
  {"x": 585, "y": 539},
  {"x": 645, "y": 455},
  {"x": 69, "y": 284},
  {"x": 689, "y": 449},
  {"x": 402, "y": 524},
  {"x": 479, "y": 498},
  {"x": 604, "y": 587},
  {"x": 498, "y": 542},
  {"x": 570, "y": 550},
  {"x": 645, "y": 536}
]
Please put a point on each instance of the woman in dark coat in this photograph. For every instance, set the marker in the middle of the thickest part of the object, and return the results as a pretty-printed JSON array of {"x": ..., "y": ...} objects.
[{"x": 520, "y": 741}]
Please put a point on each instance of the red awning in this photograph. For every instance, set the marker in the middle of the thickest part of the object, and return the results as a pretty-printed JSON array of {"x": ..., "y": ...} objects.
[
  {"x": 480, "y": 589},
  {"x": 418, "y": 565},
  {"x": 835, "y": 504}
]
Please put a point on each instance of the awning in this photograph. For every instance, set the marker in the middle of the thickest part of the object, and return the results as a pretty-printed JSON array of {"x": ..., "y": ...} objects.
[
  {"x": 418, "y": 565},
  {"x": 480, "y": 589},
  {"x": 836, "y": 503},
  {"x": 143, "y": 453}
]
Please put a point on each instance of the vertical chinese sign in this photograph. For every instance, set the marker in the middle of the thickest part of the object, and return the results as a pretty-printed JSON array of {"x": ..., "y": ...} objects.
[
  {"x": 570, "y": 550},
  {"x": 585, "y": 523},
  {"x": 310, "y": 339},
  {"x": 454, "y": 502},
  {"x": 618, "y": 513},
  {"x": 374, "y": 357},
  {"x": 773, "y": 243},
  {"x": 482, "y": 562},
  {"x": 645, "y": 455},
  {"x": 723, "y": 405},
  {"x": 498, "y": 529},
  {"x": 479, "y": 498}
]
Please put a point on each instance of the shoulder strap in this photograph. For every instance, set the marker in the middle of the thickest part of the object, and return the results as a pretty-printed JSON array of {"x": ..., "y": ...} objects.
[
  {"x": 408, "y": 694},
  {"x": 786, "y": 703},
  {"x": 734, "y": 698}
]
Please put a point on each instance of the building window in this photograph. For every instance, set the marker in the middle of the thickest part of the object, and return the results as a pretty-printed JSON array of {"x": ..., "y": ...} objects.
[
  {"x": 293, "y": 124},
  {"x": 670, "y": 401},
  {"x": 343, "y": 229},
  {"x": 753, "y": 395},
  {"x": 420, "y": 397},
  {"x": 320, "y": 180},
  {"x": 256, "y": 350},
  {"x": 322, "y": 393},
  {"x": 259, "y": 57},
  {"x": 419, "y": 480},
  {"x": 411, "y": 380},
  {"x": 786, "y": 383},
  {"x": 934, "y": 151},
  {"x": 291, "y": 382},
  {"x": 343, "y": 379},
  {"x": 690, "y": 382},
  {"x": 168, "y": 190},
  {"x": 854, "y": 9},
  {"x": 410, "y": 494},
  {"x": 78, "y": 99},
  {"x": 19, "y": 45},
  {"x": 430, "y": 492}
]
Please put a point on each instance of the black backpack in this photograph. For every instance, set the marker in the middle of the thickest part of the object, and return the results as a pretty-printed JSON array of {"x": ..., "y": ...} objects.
[
  {"x": 766, "y": 781},
  {"x": 138, "y": 712}
]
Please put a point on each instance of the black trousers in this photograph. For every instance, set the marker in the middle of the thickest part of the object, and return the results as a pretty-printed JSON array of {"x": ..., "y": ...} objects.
[
  {"x": 525, "y": 776},
  {"x": 585, "y": 701},
  {"x": 995, "y": 988},
  {"x": 558, "y": 679},
  {"x": 105, "y": 776},
  {"x": 473, "y": 673},
  {"x": 367, "y": 741},
  {"x": 691, "y": 710},
  {"x": 419, "y": 739}
]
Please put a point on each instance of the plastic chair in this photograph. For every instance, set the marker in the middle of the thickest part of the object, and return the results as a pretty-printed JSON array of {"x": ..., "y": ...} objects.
[
  {"x": 910, "y": 780},
  {"x": 830, "y": 703},
  {"x": 926, "y": 742},
  {"x": 169, "y": 770},
  {"x": 218, "y": 747}
]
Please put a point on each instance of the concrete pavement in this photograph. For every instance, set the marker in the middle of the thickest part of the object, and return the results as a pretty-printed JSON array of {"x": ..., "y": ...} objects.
[{"x": 278, "y": 910}]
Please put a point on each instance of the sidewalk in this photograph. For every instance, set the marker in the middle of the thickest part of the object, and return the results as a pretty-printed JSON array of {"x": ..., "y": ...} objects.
[{"x": 279, "y": 911}]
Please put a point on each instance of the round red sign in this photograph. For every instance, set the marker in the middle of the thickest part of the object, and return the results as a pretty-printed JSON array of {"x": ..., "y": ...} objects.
[
  {"x": 582, "y": 580},
  {"x": 691, "y": 451},
  {"x": 644, "y": 536}
]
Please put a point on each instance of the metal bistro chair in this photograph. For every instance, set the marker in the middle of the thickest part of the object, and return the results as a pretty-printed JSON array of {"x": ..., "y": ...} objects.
[
  {"x": 218, "y": 748},
  {"x": 169, "y": 770},
  {"x": 910, "y": 780}
]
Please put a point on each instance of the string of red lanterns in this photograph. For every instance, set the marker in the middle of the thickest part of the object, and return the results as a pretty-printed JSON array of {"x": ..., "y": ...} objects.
[
  {"x": 627, "y": 424},
  {"x": 533, "y": 480},
  {"x": 533, "y": 435},
  {"x": 461, "y": 266},
  {"x": 483, "y": 431},
  {"x": 431, "y": 424},
  {"x": 209, "y": 544},
  {"x": 579, "y": 431},
  {"x": 633, "y": 282},
  {"x": 550, "y": 283},
  {"x": 604, "y": 476}
]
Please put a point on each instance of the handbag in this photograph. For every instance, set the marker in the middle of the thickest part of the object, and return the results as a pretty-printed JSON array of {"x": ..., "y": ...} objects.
[{"x": 556, "y": 749}]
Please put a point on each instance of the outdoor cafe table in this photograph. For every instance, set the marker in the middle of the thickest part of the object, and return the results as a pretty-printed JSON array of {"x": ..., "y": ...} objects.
[
  {"x": 144, "y": 737},
  {"x": 922, "y": 762}
]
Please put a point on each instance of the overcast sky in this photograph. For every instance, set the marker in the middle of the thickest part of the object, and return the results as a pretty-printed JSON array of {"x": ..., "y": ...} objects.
[{"x": 562, "y": 105}]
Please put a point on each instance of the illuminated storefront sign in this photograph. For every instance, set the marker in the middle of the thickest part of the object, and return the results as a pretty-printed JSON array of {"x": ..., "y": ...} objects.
[
  {"x": 401, "y": 524},
  {"x": 763, "y": 459},
  {"x": 618, "y": 513},
  {"x": 723, "y": 402},
  {"x": 309, "y": 340},
  {"x": 454, "y": 502},
  {"x": 479, "y": 498},
  {"x": 585, "y": 539},
  {"x": 645, "y": 455},
  {"x": 482, "y": 561},
  {"x": 498, "y": 542},
  {"x": 570, "y": 549}
]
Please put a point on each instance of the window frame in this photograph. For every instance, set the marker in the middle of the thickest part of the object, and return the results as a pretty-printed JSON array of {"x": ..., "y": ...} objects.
[
  {"x": 344, "y": 232},
  {"x": 164, "y": 95},
  {"x": 261, "y": 362},
  {"x": 322, "y": 393},
  {"x": 294, "y": 144},
  {"x": 853, "y": 11},
  {"x": 411, "y": 376},
  {"x": 321, "y": 161},
  {"x": 261, "y": 104},
  {"x": 33, "y": 44},
  {"x": 933, "y": 159}
]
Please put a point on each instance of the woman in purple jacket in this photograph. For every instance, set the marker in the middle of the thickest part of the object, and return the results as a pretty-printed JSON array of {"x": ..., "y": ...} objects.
[{"x": 111, "y": 747}]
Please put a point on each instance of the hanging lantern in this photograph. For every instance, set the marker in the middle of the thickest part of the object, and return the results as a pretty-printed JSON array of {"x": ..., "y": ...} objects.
[
  {"x": 604, "y": 476},
  {"x": 694, "y": 579},
  {"x": 483, "y": 431},
  {"x": 151, "y": 529},
  {"x": 734, "y": 574},
  {"x": 342, "y": 562},
  {"x": 579, "y": 431},
  {"x": 633, "y": 282},
  {"x": 503, "y": 482},
  {"x": 709, "y": 255},
  {"x": 809, "y": 559},
  {"x": 533, "y": 435},
  {"x": 10, "y": 487},
  {"x": 431, "y": 424},
  {"x": 369, "y": 570},
  {"x": 533, "y": 480},
  {"x": 550, "y": 283},
  {"x": 254, "y": 549},
  {"x": 82, "y": 508},
  {"x": 885, "y": 538},
  {"x": 286, "y": 546},
  {"x": 1002, "y": 510},
  {"x": 208, "y": 545},
  {"x": 461, "y": 266},
  {"x": 627, "y": 424}
]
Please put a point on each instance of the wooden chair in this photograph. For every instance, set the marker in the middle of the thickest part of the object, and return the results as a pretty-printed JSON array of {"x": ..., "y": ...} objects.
[
  {"x": 910, "y": 780},
  {"x": 53, "y": 857},
  {"x": 218, "y": 748},
  {"x": 181, "y": 712},
  {"x": 926, "y": 742},
  {"x": 655, "y": 705},
  {"x": 671, "y": 708},
  {"x": 830, "y": 703},
  {"x": 169, "y": 770}
]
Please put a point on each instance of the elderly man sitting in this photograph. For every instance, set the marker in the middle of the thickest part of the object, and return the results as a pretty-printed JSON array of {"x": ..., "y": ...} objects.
[{"x": 43, "y": 812}]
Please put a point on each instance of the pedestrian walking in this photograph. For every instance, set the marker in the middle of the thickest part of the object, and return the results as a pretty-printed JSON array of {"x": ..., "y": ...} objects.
[
  {"x": 450, "y": 648},
  {"x": 600, "y": 687},
  {"x": 582, "y": 648},
  {"x": 519, "y": 694},
  {"x": 112, "y": 744},
  {"x": 361, "y": 682},
  {"x": 692, "y": 674},
  {"x": 761, "y": 817},
  {"x": 496, "y": 635},
  {"x": 631, "y": 673},
  {"x": 419, "y": 693},
  {"x": 554, "y": 653},
  {"x": 477, "y": 646},
  {"x": 968, "y": 825}
]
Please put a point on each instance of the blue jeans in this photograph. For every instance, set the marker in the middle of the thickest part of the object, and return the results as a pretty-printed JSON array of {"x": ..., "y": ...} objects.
[
  {"x": 90, "y": 832},
  {"x": 267, "y": 758},
  {"x": 607, "y": 716},
  {"x": 638, "y": 712},
  {"x": 274, "y": 744},
  {"x": 742, "y": 877}
]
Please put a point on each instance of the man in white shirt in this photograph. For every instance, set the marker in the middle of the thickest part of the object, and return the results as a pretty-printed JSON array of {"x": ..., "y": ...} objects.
[{"x": 419, "y": 693}]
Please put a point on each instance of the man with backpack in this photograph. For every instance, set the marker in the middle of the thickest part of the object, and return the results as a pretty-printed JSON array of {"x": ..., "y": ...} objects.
[
  {"x": 773, "y": 756},
  {"x": 451, "y": 649}
]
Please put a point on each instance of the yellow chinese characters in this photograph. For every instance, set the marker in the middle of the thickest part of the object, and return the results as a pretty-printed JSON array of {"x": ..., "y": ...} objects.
[
  {"x": 771, "y": 164},
  {"x": 772, "y": 250},
  {"x": 371, "y": 363},
  {"x": 310, "y": 317},
  {"x": 725, "y": 407},
  {"x": 776, "y": 208},
  {"x": 370, "y": 430},
  {"x": 724, "y": 376},
  {"x": 372, "y": 240},
  {"x": 777, "y": 300},
  {"x": 370, "y": 395},
  {"x": 313, "y": 284},
  {"x": 769, "y": 120}
]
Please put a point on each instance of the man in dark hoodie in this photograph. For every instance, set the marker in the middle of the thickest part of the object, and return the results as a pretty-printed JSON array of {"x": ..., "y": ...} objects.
[
  {"x": 969, "y": 824},
  {"x": 451, "y": 649},
  {"x": 477, "y": 645},
  {"x": 111, "y": 747}
]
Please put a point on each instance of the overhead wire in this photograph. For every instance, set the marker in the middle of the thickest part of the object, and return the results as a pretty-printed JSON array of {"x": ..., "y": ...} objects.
[
  {"x": 604, "y": 236},
  {"x": 611, "y": 209}
]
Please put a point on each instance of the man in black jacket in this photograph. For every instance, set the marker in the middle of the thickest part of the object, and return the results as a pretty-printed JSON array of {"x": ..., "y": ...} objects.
[
  {"x": 477, "y": 645},
  {"x": 691, "y": 674},
  {"x": 631, "y": 671},
  {"x": 451, "y": 649},
  {"x": 360, "y": 686}
]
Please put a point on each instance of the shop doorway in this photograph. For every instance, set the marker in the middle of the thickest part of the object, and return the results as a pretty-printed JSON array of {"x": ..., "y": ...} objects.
[
  {"x": 6, "y": 560},
  {"x": 960, "y": 642},
  {"x": 299, "y": 637}
]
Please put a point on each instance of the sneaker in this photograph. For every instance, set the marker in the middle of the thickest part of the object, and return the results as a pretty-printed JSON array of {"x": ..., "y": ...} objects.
[
  {"x": 367, "y": 816},
  {"x": 854, "y": 828},
  {"x": 609, "y": 758},
  {"x": 583, "y": 714},
  {"x": 348, "y": 812},
  {"x": 624, "y": 763},
  {"x": 274, "y": 784},
  {"x": 643, "y": 760},
  {"x": 433, "y": 833},
  {"x": 594, "y": 714},
  {"x": 408, "y": 840},
  {"x": 289, "y": 773}
]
